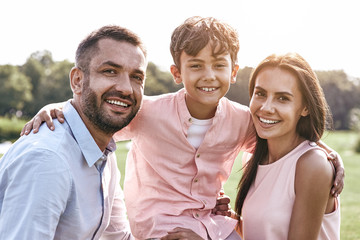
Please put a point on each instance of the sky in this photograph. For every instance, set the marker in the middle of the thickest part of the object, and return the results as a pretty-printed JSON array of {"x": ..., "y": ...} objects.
[{"x": 325, "y": 32}]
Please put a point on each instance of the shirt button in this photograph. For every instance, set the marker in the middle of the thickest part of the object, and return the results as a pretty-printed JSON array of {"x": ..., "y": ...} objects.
[
  {"x": 198, "y": 155},
  {"x": 197, "y": 215},
  {"x": 196, "y": 180},
  {"x": 190, "y": 120}
]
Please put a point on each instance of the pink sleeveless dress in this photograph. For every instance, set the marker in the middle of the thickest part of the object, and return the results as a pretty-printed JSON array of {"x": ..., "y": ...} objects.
[{"x": 268, "y": 205}]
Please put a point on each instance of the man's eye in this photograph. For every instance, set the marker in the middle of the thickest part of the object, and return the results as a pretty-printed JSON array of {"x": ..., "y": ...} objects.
[
  {"x": 138, "y": 78},
  {"x": 109, "y": 71}
]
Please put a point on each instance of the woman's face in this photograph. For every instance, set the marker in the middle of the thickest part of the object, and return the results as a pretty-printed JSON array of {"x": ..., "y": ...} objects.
[{"x": 276, "y": 104}]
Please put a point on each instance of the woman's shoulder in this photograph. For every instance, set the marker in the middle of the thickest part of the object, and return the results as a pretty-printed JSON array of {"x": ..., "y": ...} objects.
[{"x": 314, "y": 163}]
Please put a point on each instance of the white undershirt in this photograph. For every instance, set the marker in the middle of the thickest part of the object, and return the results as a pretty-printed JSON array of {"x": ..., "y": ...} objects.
[{"x": 197, "y": 131}]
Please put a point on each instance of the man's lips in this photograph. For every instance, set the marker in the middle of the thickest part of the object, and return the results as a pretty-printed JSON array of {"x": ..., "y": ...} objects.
[{"x": 117, "y": 103}]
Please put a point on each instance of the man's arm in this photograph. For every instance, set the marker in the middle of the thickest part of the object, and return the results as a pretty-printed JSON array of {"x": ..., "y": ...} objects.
[{"x": 336, "y": 160}]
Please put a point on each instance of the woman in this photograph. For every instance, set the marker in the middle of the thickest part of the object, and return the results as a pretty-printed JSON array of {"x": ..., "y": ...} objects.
[{"x": 285, "y": 189}]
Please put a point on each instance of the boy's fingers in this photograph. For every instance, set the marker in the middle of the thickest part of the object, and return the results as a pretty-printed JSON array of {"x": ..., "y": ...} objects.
[
  {"x": 58, "y": 113},
  {"x": 27, "y": 128},
  {"x": 47, "y": 119}
]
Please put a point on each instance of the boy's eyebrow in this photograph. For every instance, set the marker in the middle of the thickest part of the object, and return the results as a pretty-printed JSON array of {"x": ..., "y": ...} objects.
[{"x": 201, "y": 60}]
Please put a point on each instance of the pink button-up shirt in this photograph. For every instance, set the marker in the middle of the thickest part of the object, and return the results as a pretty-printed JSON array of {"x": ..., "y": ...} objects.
[{"x": 169, "y": 183}]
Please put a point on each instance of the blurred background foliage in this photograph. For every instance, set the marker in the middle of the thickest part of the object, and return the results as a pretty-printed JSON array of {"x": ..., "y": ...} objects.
[{"x": 41, "y": 80}]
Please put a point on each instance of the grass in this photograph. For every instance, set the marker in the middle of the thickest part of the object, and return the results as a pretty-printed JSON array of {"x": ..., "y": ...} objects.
[{"x": 341, "y": 141}]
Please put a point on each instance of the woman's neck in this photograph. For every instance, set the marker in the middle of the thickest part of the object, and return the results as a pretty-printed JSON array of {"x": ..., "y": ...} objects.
[{"x": 278, "y": 149}]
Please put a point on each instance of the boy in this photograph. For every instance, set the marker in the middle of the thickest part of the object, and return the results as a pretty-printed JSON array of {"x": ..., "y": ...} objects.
[{"x": 184, "y": 144}]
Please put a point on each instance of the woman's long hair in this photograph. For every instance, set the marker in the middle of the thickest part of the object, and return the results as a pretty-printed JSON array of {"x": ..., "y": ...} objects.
[{"x": 310, "y": 127}]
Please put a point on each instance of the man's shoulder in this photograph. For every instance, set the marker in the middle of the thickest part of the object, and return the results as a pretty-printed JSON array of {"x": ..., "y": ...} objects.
[{"x": 46, "y": 142}]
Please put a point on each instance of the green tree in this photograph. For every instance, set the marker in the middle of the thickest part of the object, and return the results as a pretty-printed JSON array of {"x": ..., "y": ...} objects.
[
  {"x": 56, "y": 84},
  {"x": 341, "y": 94},
  {"x": 15, "y": 89},
  {"x": 159, "y": 82}
]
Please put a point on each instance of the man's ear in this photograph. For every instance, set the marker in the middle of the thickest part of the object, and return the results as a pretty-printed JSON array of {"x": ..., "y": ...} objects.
[
  {"x": 176, "y": 74},
  {"x": 234, "y": 73},
  {"x": 76, "y": 80}
]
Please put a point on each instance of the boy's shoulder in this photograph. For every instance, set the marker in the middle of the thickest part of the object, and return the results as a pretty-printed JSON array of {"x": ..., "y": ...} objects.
[
  {"x": 165, "y": 97},
  {"x": 225, "y": 102}
]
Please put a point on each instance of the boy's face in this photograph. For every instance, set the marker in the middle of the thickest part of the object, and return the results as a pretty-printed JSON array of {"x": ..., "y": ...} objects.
[{"x": 206, "y": 79}]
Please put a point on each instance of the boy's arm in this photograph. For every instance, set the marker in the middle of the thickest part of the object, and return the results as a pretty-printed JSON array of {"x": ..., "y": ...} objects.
[
  {"x": 45, "y": 114},
  {"x": 335, "y": 158}
]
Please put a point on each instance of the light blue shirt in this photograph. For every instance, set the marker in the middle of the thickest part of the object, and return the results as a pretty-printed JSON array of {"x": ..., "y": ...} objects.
[{"x": 50, "y": 187}]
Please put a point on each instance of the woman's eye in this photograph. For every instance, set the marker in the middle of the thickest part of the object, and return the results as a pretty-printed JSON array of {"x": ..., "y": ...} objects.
[
  {"x": 259, "y": 94},
  {"x": 283, "y": 98}
]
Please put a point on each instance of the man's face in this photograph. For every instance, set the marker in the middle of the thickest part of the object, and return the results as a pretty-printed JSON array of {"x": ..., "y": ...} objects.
[{"x": 113, "y": 89}]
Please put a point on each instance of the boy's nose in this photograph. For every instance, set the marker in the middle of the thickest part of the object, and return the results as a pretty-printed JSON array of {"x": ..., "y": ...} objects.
[{"x": 209, "y": 75}]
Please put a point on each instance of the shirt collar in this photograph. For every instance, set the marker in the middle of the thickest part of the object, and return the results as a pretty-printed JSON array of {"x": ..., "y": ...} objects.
[
  {"x": 87, "y": 144},
  {"x": 185, "y": 114}
]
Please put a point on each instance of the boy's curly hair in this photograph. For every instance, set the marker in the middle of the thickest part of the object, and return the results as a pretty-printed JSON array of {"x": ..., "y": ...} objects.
[{"x": 196, "y": 32}]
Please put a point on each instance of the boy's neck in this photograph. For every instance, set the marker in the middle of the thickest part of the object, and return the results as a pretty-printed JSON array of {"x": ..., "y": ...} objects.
[{"x": 200, "y": 111}]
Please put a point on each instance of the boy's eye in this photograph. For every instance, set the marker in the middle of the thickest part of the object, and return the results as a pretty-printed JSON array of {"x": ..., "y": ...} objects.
[
  {"x": 195, "y": 66},
  {"x": 220, "y": 65}
]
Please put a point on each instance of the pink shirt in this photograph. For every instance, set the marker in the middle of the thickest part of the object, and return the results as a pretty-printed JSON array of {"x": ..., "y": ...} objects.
[
  {"x": 268, "y": 205},
  {"x": 168, "y": 182}
]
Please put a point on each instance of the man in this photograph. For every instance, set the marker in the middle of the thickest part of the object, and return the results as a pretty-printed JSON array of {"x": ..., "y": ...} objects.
[{"x": 65, "y": 184}]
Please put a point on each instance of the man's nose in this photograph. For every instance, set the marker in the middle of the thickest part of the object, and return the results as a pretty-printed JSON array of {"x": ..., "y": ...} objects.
[{"x": 123, "y": 84}]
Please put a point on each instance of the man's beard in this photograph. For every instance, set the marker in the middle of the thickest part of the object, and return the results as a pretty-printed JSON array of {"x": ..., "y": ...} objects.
[{"x": 98, "y": 116}]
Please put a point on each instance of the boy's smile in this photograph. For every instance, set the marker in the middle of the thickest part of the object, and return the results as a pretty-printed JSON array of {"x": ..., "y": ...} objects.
[{"x": 206, "y": 78}]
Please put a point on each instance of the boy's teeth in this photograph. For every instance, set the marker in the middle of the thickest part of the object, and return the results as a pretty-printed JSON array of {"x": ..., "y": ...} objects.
[
  {"x": 268, "y": 121},
  {"x": 119, "y": 103},
  {"x": 208, "y": 89}
]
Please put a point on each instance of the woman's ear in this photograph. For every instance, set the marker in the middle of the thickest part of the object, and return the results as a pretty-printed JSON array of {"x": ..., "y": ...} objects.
[
  {"x": 76, "y": 80},
  {"x": 176, "y": 74},
  {"x": 305, "y": 112},
  {"x": 234, "y": 73}
]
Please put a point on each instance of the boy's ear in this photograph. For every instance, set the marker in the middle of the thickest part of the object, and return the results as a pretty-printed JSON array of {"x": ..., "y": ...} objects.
[
  {"x": 176, "y": 74},
  {"x": 76, "y": 80},
  {"x": 234, "y": 73}
]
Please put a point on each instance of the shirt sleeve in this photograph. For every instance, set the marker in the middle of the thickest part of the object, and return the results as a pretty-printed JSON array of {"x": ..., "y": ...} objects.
[{"x": 37, "y": 185}]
